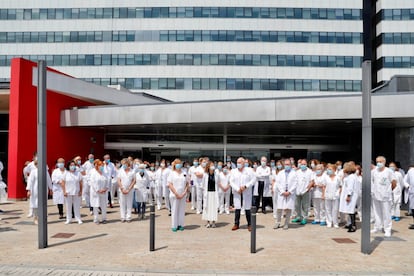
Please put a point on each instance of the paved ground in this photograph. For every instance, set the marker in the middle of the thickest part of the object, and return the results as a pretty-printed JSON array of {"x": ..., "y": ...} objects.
[{"x": 123, "y": 249}]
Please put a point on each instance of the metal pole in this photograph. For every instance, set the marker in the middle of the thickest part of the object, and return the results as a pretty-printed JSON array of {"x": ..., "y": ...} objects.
[
  {"x": 224, "y": 148},
  {"x": 366, "y": 157},
  {"x": 152, "y": 227},
  {"x": 253, "y": 232},
  {"x": 41, "y": 154}
]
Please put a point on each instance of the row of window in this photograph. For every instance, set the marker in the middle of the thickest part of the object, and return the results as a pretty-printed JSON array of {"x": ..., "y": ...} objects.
[
  {"x": 188, "y": 35},
  {"x": 232, "y": 84},
  {"x": 397, "y": 14},
  {"x": 181, "y": 12},
  {"x": 396, "y": 62},
  {"x": 193, "y": 59},
  {"x": 396, "y": 38}
]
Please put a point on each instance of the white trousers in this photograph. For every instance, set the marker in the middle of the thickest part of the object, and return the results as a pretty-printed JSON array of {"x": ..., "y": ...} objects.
[
  {"x": 86, "y": 194},
  {"x": 166, "y": 193},
  {"x": 200, "y": 194},
  {"x": 395, "y": 208},
  {"x": 224, "y": 201},
  {"x": 125, "y": 205},
  {"x": 158, "y": 196},
  {"x": 382, "y": 213},
  {"x": 274, "y": 199},
  {"x": 72, "y": 200},
  {"x": 193, "y": 196},
  {"x": 103, "y": 198},
  {"x": 177, "y": 211},
  {"x": 319, "y": 209},
  {"x": 331, "y": 206},
  {"x": 114, "y": 187}
]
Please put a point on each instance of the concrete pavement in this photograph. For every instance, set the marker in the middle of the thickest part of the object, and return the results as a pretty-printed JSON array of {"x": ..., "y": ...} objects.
[{"x": 123, "y": 248}]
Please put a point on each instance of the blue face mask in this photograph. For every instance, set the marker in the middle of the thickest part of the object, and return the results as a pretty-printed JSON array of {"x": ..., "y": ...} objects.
[
  {"x": 246, "y": 165},
  {"x": 279, "y": 167},
  {"x": 141, "y": 170},
  {"x": 178, "y": 166},
  {"x": 91, "y": 160},
  {"x": 79, "y": 162},
  {"x": 195, "y": 164},
  {"x": 219, "y": 167},
  {"x": 239, "y": 166},
  {"x": 318, "y": 172},
  {"x": 225, "y": 170},
  {"x": 392, "y": 168},
  {"x": 101, "y": 168},
  {"x": 288, "y": 168},
  {"x": 60, "y": 165},
  {"x": 72, "y": 168},
  {"x": 124, "y": 166},
  {"x": 203, "y": 164},
  {"x": 107, "y": 161},
  {"x": 272, "y": 164},
  {"x": 329, "y": 172},
  {"x": 303, "y": 167},
  {"x": 380, "y": 165}
]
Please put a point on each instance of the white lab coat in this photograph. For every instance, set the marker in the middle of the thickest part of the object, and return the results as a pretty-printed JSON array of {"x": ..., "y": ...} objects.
[
  {"x": 72, "y": 183},
  {"x": 32, "y": 186},
  {"x": 141, "y": 187},
  {"x": 98, "y": 182},
  {"x": 304, "y": 178},
  {"x": 210, "y": 205},
  {"x": 409, "y": 188},
  {"x": 263, "y": 174},
  {"x": 332, "y": 187},
  {"x": 286, "y": 183},
  {"x": 397, "y": 192},
  {"x": 381, "y": 188},
  {"x": 349, "y": 187},
  {"x": 238, "y": 178},
  {"x": 57, "y": 176}
]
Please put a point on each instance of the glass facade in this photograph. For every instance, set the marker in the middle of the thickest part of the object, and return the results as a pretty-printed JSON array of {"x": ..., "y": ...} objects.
[
  {"x": 397, "y": 14},
  {"x": 181, "y": 12}
]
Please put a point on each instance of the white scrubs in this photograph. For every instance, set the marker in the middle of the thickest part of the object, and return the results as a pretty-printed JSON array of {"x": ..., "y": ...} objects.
[{"x": 179, "y": 181}]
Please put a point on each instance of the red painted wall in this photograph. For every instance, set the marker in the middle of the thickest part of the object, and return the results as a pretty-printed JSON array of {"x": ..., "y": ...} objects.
[{"x": 61, "y": 142}]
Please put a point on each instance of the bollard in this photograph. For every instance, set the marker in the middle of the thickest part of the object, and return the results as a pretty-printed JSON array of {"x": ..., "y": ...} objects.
[
  {"x": 253, "y": 232},
  {"x": 152, "y": 227}
]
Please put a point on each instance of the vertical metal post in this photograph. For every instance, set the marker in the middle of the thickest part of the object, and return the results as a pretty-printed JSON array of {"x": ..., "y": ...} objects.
[
  {"x": 152, "y": 227},
  {"x": 41, "y": 153},
  {"x": 366, "y": 157},
  {"x": 224, "y": 148},
  {"x": 253, "y": 232}
]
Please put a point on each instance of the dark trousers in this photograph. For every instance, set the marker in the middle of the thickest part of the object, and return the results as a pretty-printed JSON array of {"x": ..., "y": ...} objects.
[
  {"x": 60, "y": 208},
  {"x": 237, "y": 217},
  {"x": 259, "y": 198},
  {"x": 141, "y": 207}
]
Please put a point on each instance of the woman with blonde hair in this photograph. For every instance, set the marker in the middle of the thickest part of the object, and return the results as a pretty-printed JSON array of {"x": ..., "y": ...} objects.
[
  {"x": 177, "y": 184},
  {"x": 349, "y": 194}
]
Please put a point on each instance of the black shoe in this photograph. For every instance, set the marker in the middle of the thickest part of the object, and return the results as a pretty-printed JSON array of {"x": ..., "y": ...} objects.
[
  {"x": 352, "y": 229},
  {"x": 411, "y": 227},
  {"x": 264, "y": 211}
]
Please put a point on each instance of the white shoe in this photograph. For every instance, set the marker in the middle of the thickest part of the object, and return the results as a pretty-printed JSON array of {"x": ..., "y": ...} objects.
[
  {"x": 373, "y": 231},
  {"x": 228, "y": 212},
  {"x": 221, "y": 212},
  {"x": 80, "y": 222},
  {"x": 329, "y": 225},
  {"x": 277, "y": 225},
  {"x": 213, "y": 225},
  {"x": 198, "y": 212},
  {"x": 242, "y": 213},
  {"x": 387, "y": 234},
  {"x": 336, "y": 226},
  {"x": 208, "y": 225},
  {"x": 67, "y": 222},
  {"x": 192, "y": 208},
  {"x": 30, "y": 215}
]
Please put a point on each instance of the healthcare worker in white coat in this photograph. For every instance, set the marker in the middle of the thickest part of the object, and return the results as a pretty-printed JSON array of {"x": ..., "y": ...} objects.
[
  {"x": 211, "y": 183},
  {"x": 126, "y": 182},
  {"x": 242, "y": 180},
  {"x": 177, "y": 184},
  {"x": 286, "y": 183},
  {"x": 332, "y": 192},
  {"x": 99, "y": 185},
  {"x": 397, "y": 192},
  {"x": 72, "y": 190},
  {"x": 383, "y": 181},
  {"x": 158, "y": 186},
  {"x": 193, "y": 180},
  {"x": 409, "y": 192},
  {"x": 302, "y": 201},
  {"x": 165, "y": 172},
  {"x": 349, "y": 194},
  {"x": 57, "y": 177},
  {"x": 87, "y": 167},
  {"x": 198, "y": 182},
  {"x": 318, "y": 193},
  {"x": 262, "y": 190},
  {"x": 32, "y": 189},
  {"x": 224, "y": 189},
  {"x": 141, "y": 187}
]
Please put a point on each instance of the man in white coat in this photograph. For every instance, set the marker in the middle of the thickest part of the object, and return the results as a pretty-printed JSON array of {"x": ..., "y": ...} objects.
[
  {"x": 302, "y": 201},
  {"x": 409, "y": 192},
  {"x": 383, "y": 181},
  {"x": 242, "y": 180},
  {"x": 263, "y": 187},
  {"x": 286, "y": 183}
]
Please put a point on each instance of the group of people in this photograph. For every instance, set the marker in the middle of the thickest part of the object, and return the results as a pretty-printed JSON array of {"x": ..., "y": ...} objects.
[{"x": 289, "y": 188}]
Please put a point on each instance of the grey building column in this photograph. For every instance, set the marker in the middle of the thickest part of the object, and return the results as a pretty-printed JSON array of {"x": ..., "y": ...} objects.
[{"x": 404, "y": 147}]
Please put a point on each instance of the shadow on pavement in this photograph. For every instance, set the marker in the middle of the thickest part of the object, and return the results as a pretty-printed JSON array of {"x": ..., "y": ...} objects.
[
  {"x": 191, "y": 227},
  {"x": 78, "y": 240}
]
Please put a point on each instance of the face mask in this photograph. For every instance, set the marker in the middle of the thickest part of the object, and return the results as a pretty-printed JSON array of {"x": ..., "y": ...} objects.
[
  {"x": 101, "y": 168},
  {"x": 157, "y": 164},
  {"x": 303, "y": 167},
  {"x": 313, "y": 166},
  {"x": 60, "y": 165},
  {"x": 318, "y": 172},
  {"x": 239, "y": 166},
  {"x": 203, "y": 164},
  {"x": 152, "y": 168},
  {"x": 288, "y": 168},
  {"x": 141, "y": 170},
  {"x": 246, "y": 165},
  {"x": 380, "y": 165},
  {"x": 392, "y": 168},
  {"x": 225, "y": 170},
  {"x": 279, "y": 167},
  {"x": 228, "y": 159},
  {"x": 263, "y": 164},
  {"x": 72, "y": 168},
  {"x": 168, "y": 164},
  {"x": 255, "y": 166},
  {"x": 178, "y": 166},
  {"x": 91, "y": 160},
  {"x": 329, "y": 171},
  {"x": 79, "y": 162},
  {"x": 212, "y": 168},
  {"x": 272, "y": 164},
  {"x": 339, "y": 167},
  {"x": 292, "y": 161},
  {"x": 124, "y": 166},
  {"x": 107, "y": 161},
  {"x": 195, "y": 164},
  {"x": 219, "y": 167},
  {"x": 162, "y": 165}
]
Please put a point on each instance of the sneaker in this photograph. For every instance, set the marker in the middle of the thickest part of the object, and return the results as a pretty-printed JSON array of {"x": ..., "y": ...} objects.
[
  {"x": 277, "y": 225},
  {"x": 315, "y": 222},
  {"x": 174, "y": 229},
  {"x": 286, "y": 227},
  {"x": 80, "y": 222},
  {"x": 208, "y": 225},
  {"x": 323, "y": 223},
  {"x": 329, "y": 225},
  {"x": 67, "y": 222},
  {"x": 91, "y": 213},
  {"x": 30, "y": 215},
  {"x": 198, "y": 212},
  {"x": 192, "y": 208},
  {"x": 228, "y": 212},
  {"x": 104, "y": 222},
  {"x": 336, "y": 226},
  {"x": 387, "y": 234},
  {"x": 213, "y": 225},
  {"x": 392, "y": 217},
  {"x": 296, "y": 220},
  {"x": 373, "y": 231},
  {"x": 304, "y": 221},
  {"x": 96, "y": 222},
  {"x": 35, "y": 221},
  {"x": 397, "y": 219},
  {"x": 181, "y": 228},
  {"x": 221, "y": 212}
]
